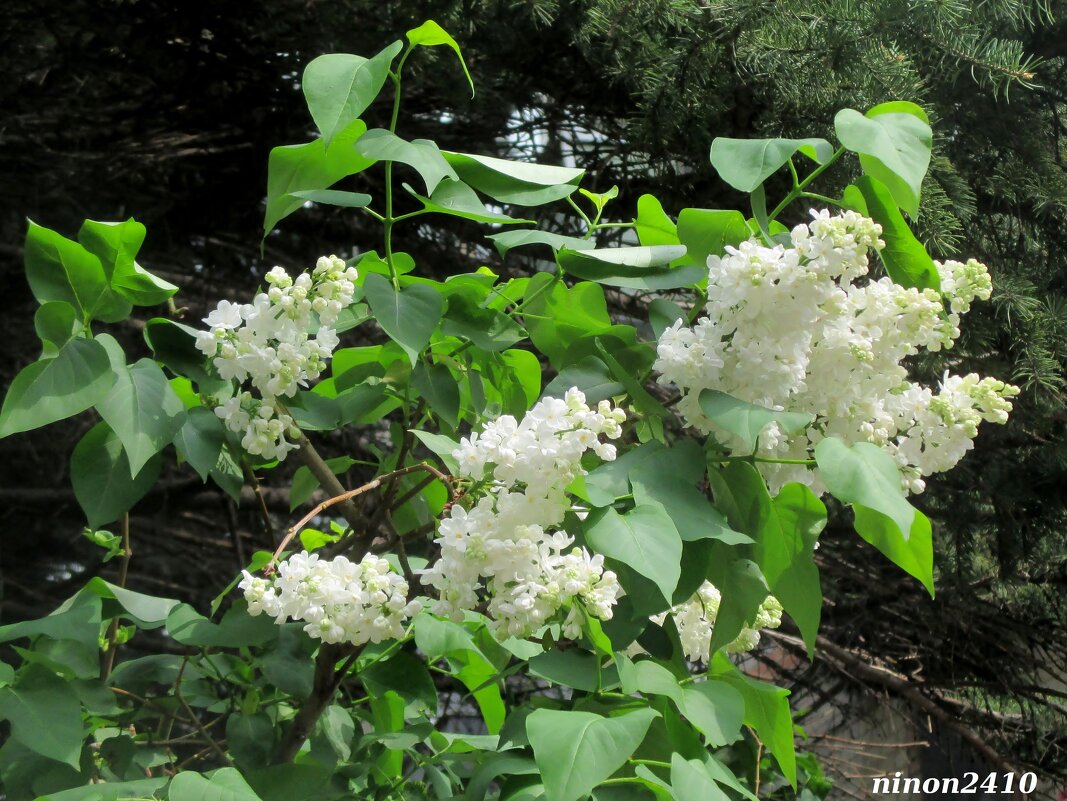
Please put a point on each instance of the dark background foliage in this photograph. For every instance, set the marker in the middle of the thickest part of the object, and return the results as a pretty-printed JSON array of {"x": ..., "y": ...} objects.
[{"x": 166, "y": 111}]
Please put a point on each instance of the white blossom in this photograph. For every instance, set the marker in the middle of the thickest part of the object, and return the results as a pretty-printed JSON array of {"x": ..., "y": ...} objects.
[
  {"x": 505, "y": 549},
  {"x": 695, "y": 620},
  {"x": 337, "y": 599},
  {"x": 266, "y": 343},
  {"x": 793, "y": 328}
]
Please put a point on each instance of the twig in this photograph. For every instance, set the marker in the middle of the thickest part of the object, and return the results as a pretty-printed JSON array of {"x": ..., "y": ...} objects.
[
  {"x": 900, "y": 685},
  {"x": 113, "y": 627},
  {"x": 268, "y": 524},
  {"x": 346, "y": 498},
  {"x": 196, "y": 721},
  {"x": 327, "y": 680}
]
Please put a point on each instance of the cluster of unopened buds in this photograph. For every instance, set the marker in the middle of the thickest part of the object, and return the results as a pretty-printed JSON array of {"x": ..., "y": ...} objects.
[
  {"x": 501, "y": 552},
  {"x": 267, "y": 344},
  {"x": 789, "y": 328},
  {"x": 338, "y": 600}
]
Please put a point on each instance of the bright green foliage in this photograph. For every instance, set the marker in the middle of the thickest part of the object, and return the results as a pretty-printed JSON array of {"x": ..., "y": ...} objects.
[
  {"x": 746, "y": 163},
  {"x": 644, "y": 538},
  {"x": 104, "y": 483},
  {"x": 893, "y": 141},
  {"x": 340, "y": 86},
  {"x": 865, "y": 477},
  {"x": 56, "y": 388},
  {"x": 747, "y": 420},
  {"x": 575, "y": 751},
  {"x": 445, "y": 357},
  {"x": 312, "y": 167}
]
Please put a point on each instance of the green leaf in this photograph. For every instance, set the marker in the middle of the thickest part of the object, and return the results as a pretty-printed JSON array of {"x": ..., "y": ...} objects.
[
  {"x": 420, "y": 154},
  {"x": 430, "y": 34},
  {"x": 250, "y": 739},
  {"x": 632, "y": 267},
  {"x": 600, "y": 199},
  {"x": 716, "y": 709},
  {"x": 305, "y": 483},
  {"x": 644, "y": 538},
  {"x": 576, "y": 751},
  {"x": 666, "y": 477},
  {"x": 56, "y": 323},
  {"x": 893, "y": 144},
  {"x": 747, "y": 420},
  {"x": 690, "y": 781},
  {"x": 865, "y": 474},
  {"x": 558, "y": 316},
  {"x": 653, "y": 225},
  {"x": 236, "y": 629},
  {"x": 293, "y": 169},
  {"x": 507, "y": 240},
  {"x": 314, "y": 412},
  {"x": 45, "y": 715},
  {"x": 147, "y": 611},
  {"x": 867, "y": 478},
  {"x": 287, "y": 662},
  {"x": 101, "y": 477},
  {"x": 766, "y": 711},
  {"x": 519, "y": 182},
  {"x": 55, "y": 389},
  {"x": 456, "y": 199},
  {"x": 438, "y": 387},
  {"x": 78, "y": 619},
  {"x": 785, "y": 529},
  {"x": 143, "y": 411},
  {"x": 116, "y": 245},
  {"x": 746, "y": 163},
  {"x": 200, "y": 440},
  {"x": 334, "y": 197},
  {"x": 110, "y": 791},
  {"x": 339, "y": 87},
  {"x": 58, "y": 268},
  {"x": 905, "y": 259},
  {"x": 174, "y": 344},
  {"x": 489, "y": 329},
  {"x": 662, "y": 314},
  {"x": 469, "y": 662},
  {"x": 634, "y": 388},
  {"x": 405, "y": 674},
  {"x": 441, "y": 445},
  {"x": 591, "y": 376},
  {"x": 743, "y": 587},
  {"x": 913, "y": 553},
  {"x": 499, "y": 764},
  {"x": 785, "y": 553},
  {"x": 707, "y": 232},
  {"x": 570, "y": 668},
  {"x": 409, "y": 316},
  {"x": 225, "y": 784}
]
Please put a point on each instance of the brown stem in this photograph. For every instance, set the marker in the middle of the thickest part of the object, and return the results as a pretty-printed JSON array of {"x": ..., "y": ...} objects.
[
  {"x": 326, "y": 683},
  {"x": 344, "y": 498},
  {"x": 196, "y": 721},
  {"x": 862, "y": 670},
  {"x": 113, "y": 627},
  {"x": 325, "y": 476},
  {"x": 391, "y": 505},
  {"x": 250, "y": 476}
]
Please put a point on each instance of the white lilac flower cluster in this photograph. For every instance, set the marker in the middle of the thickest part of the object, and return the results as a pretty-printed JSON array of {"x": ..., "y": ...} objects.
[
  {"x": 266, "y": 343},
  {"x": 502, "y": 554},
  {"x": 789, "y": 328},
  {"x": 337, "y": 599},
  {"x": 695, "y": 620}
]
